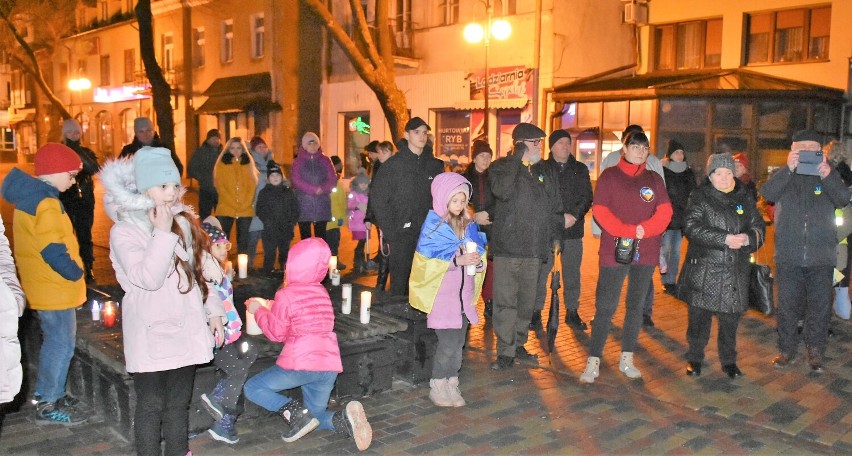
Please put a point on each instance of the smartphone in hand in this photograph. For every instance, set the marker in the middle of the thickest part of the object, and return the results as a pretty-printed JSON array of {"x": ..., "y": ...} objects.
[{"x": 809, "y": 160}]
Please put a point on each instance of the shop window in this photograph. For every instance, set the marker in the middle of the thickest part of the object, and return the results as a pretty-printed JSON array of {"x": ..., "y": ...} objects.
[
  {"x": 826, "y": 118},
  {"x": 452, "y": 136},
  {"x": 782, "y": 117},
  {"x": 734, "y": 116},
  {"x": 569, "y": 116},
  {"x": 788, "y": 36},
  {"x": 641, "y": 112},
  {"x": 356, "y": 135},
  {"x": 615, "y": 115},
  {"x": 104, "y": 126},
  {"x": 683, "y": 114},
  {"x": 688, "y": 45},
  {"x": 589, "y": 115},
  {"x": 507, "y": 120},
  {"x": 126, "y": 117}
]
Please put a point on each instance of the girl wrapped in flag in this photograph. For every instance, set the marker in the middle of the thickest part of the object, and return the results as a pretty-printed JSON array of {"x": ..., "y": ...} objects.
[{"x": 440, "y": 285}]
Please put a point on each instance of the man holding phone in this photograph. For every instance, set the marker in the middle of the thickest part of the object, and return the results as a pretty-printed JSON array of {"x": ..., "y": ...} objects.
[{"x": 805, "y": 239}]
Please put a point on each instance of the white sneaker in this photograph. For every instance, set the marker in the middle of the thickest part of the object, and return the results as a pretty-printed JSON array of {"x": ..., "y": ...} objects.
[
  {"x": 626, "y": 366},
  {"x": 440, "y": 393},
  {"x": 455, "y": 392},
  {"x": 593, "y": 366}
]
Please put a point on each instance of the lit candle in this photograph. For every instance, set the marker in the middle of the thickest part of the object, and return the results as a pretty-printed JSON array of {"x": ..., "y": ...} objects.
[
  {"x": 109, "y": 314},
  {"x": 335, "y": 277},
  {"x": 346, "y": 294},
  {"x": 242, "y": 264},
  {"x": 366, "y": 296},
  {"x": 251, "y": 325},
  {"x": 96, "y": 310},
  {"x": 470, "y": 247},
  {"x": 229, "y": 267},
  {"x": 332, "y": 265}
]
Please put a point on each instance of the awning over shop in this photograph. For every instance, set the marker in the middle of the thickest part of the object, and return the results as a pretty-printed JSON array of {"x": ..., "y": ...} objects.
[
  {"x": 18, "y": 118},
  {"x": 252, "y": 92},
  {"x": 474, "y": 105},
  {"x": 716, "y": 83}
]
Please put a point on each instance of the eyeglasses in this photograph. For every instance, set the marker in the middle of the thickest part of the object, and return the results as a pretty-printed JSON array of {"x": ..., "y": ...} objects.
[
  {"x": 639, "y": 148},
  {"x": 534, "y": 142}
]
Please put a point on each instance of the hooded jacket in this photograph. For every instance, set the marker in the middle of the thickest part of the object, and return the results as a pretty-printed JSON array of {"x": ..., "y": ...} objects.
[
  {"x": 45, "y": 246},
  {"x": 313, "y": 179},
  {"x": 805, "y": 232},
  {"x": 437, "y": 285},
  {"x": 400, "y": 194},
  {"x": 301, "y": 314},
  {"x": 162, "y": 328}
]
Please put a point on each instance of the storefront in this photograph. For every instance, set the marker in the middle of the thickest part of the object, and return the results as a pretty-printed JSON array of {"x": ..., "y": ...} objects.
[{"x": 707, "y": 112}]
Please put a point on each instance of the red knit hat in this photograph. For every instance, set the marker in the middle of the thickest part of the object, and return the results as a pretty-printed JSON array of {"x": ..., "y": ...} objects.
[
  {"x": 742, "y": 159},
  {"x": 54, "y": 158}
]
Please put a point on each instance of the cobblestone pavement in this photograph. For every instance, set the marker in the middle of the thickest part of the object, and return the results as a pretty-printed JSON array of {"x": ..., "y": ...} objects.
[{"x": 543, "y": 409}]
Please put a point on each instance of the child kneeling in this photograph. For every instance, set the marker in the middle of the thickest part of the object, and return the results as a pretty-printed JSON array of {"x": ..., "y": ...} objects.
[{"x": 302, "y": 317}]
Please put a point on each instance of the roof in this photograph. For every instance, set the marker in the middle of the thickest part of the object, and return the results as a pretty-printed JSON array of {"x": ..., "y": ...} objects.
[
  {"x": 714, "y": 83},
  {"x": 251, "y": 92}
]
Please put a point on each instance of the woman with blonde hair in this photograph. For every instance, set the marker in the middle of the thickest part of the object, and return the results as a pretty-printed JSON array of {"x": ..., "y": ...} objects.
[{"x": 235, "y": 178}]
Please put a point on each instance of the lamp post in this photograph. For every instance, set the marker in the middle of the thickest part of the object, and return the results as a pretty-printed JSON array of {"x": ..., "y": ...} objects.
[
  {"x": 78, "y": 85},
  {"x": 474, "y": 33}
]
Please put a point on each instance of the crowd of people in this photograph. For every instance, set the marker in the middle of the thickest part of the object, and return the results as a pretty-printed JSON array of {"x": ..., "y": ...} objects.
[{"x": 444, "y": 239}]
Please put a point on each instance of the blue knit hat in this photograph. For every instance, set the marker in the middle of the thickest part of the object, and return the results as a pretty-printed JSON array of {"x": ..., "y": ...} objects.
[{"x": 154, "y": 166}]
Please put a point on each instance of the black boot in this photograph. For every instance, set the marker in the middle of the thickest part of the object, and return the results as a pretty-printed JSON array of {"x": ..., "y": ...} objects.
[
  {"x": 535, "y": 321},
  {"x": 489, "y": 308},
  {"x": 300, "y": 420},
  {"x": 573, "y": 320},
  {"x": 352, "y": 421},
  {"x": 382, "y": 278}
]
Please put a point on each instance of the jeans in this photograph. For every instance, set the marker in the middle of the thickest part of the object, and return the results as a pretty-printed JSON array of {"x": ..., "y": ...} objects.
[
  {"x": 162, "y": 410},
  {"x": 449, "y": 351},
  {"x": 808, "y": 292},
  {"x": 670, "y": 251},
  {"x": 264, "y": 390},
  {"x": 514, "y": 300},
  {"x": 253, "y": 238},
  {"x": 607, "y": 295},
  {"x": 243, "y": 224},
  {"x": 59, "y": 329}
]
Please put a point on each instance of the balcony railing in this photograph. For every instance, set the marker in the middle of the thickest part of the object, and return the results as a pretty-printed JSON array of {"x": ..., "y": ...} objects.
[{"x": 403, "y": 38}]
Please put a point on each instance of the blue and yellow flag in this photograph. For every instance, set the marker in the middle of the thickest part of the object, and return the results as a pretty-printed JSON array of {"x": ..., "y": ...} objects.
[{"x": 436, "y": 247}]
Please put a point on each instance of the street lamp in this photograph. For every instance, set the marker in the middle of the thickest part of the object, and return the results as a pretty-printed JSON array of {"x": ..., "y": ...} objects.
[
  {"x": 78, "y": 85},
  {"x": 475, "y": 33}
]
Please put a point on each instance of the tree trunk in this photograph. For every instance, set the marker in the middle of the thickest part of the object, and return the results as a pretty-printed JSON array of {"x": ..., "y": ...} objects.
[{"x": 160, "y": 88}]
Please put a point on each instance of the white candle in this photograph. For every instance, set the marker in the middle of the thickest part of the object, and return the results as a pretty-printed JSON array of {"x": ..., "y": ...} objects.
[
  {"x": 335, "y": 277},
  {"x": 470, "y": 247},
  {"x": 96, "y": 310},
  {"x": 242, "y": 264},
  {"x": 346, "y": 294},
  {"x": 332, "y": 265},
  {"x": 251, "y": 325},
  {"x": 366, "y": 296}
]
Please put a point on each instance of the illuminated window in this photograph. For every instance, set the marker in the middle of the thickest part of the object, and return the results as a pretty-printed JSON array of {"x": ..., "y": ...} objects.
[
  {"x": 788, "y": 36},
  {"x": 257, "y": 33},
  {"x": 688, "y": 45},
  {"x": 105, "y": 70},
  {"x": 228, "y": 41},
  {"x": 199, "y": 45}
]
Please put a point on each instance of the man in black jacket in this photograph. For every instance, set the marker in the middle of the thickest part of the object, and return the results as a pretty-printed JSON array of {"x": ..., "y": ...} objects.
[
  {"x": 144, "y": 135},
  {"x": 527, "y": 213},
  {"x": 805, "y": 241},
  {"x": 483, "y": 209},
  {"x": 401, "y": 196},
  {"x": 575, "y": 190},
  {"x": 201, "y": 166},
  {"x": 79, "y": 200}
]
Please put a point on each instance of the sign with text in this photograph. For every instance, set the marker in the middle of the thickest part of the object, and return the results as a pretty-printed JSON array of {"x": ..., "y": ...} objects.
[{"x": 504, "y": 83}]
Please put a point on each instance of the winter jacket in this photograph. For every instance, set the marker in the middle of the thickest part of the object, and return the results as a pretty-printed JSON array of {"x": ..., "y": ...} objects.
[
  {"x": 162, "y": 327},
  {"x": 313, "y": 179},
  {"x": 356, "y": 215},
  {"x": 715, "y": 277},
  {"x": 339, "y": 198},
  {"x": 401, "y": 192},
  {"x": 84, "y": 187},
  {"x": 527, "y": 209},
  {"x": 201, "y": 166},
  {"x": 437, "y": 286},
  {"x": 45, "y": 246},
  {"x": 12, "y": 303},
  {"x": 679, "y": 186},
  {"x": 278, "y": 208},
  {"x": 301, "y": 314},
  {"x": 260, "y": 163},
  {"x": 805, "y": 233},
  {"x": 130, "y": 150},
  {"x": 236, "y": 182},
  {"x": 575, "y": 190},
  {"x": 627, "y": 196},
  {"x": 481, "y": 198}
]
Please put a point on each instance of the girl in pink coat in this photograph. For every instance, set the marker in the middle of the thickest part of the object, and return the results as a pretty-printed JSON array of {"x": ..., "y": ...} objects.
[
  {"x": 357, "y": 205},
  {"x": 302, "y": 317}
]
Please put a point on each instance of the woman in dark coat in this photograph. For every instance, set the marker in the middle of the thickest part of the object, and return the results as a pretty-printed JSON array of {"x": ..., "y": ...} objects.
[{"x": 723, "y": 227}]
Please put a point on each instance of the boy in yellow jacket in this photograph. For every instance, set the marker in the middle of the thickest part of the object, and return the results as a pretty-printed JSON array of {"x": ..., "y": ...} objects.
[{"x": 51, "y": 271}]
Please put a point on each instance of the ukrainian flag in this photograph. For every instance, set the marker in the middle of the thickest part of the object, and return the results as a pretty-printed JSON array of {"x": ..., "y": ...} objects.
[{"x": 436, "y": 247}]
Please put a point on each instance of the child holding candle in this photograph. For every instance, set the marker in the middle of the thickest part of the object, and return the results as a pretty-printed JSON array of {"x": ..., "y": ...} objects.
[
  {"x": 302, "y": 317},
  {"x": 170, "y": 321},
  {"x": 278, "y": 209},
  {"x": 439, "y": 284},
  {"x": 235, "y": 358}
]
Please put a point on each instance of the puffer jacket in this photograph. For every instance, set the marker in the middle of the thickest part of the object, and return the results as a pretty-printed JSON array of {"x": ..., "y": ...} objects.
[
  {"x": 260, "y": 163},
  {"x": 46, "y": 248},
  {"x": 236, "y": 183},
  {"x": 313, "y": 179},
  {"x": 805, "y": 233},
  {"x": 356, "y": 215},
  {"x": 301, "y": 314},
  {"x": 163, "y": 328},
  {"x": 12, "y": 304},
  {"x": 715, "y": 277}
]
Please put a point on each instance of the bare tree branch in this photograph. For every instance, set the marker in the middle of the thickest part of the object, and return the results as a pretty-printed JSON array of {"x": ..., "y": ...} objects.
[
  {"x": 363, "y": 30},
  {"x": 161, "y": 91}
]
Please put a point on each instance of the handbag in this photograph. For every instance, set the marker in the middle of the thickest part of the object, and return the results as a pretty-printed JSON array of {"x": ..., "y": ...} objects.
[
  {"x": 625, "y": 250},
  {"x": 760, "y": 295}
]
